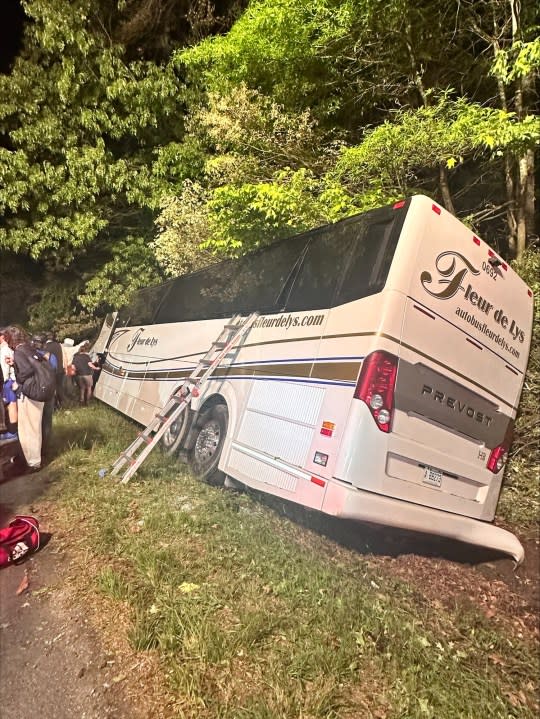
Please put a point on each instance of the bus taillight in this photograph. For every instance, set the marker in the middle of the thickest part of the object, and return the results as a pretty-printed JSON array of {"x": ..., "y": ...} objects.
[
  {"x": 375, "y": 386},
  {"x": 497, "y": 458}
]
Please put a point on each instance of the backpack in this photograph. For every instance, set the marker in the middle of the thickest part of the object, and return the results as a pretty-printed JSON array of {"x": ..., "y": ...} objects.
[
  {"x": 41, "y": 385},
  {"x": 18, "y": 539}
]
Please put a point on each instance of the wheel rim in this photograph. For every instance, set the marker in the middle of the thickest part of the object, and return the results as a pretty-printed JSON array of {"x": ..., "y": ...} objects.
[
  {"x": 171, "y": 435},
  {"x": 207, "y": 443}
]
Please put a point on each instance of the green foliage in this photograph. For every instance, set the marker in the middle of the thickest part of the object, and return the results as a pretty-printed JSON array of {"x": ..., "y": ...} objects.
[
  {"x": 248, "y": 198},
  {"x": 445, "y": 133},
  {"x": 233, "y": 219},
  {"x": 54, "y": 308},
  {"x": 522, "y": 59},
  {"x": 97, "y": 141},
  {"x": 81, "y": 129},
  {"x": 251, "y": 215},
  {"x": 272, "y": 47},
  {"x": 520, "y": 499},
  {"x": 182, "y": 231},
  {"x": 132, "y": 265},
  {"x": 344, "y": 59},
  {"x": 250, "y": 136}
]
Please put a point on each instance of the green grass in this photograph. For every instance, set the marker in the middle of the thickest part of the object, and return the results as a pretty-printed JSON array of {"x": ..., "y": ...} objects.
[{"x": 252, "y": 616}]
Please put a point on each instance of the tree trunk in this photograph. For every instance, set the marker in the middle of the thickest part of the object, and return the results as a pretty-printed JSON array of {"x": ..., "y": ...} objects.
[
  {"x": 445, "y": 189},
  {"x": 510, "y": 204},
  {"x": 530, "y": 194}
]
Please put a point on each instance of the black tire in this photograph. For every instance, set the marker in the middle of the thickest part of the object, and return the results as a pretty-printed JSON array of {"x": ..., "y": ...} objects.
[
  {"x": 173, "y": 438},
  {"x": 211, "y": 430}
]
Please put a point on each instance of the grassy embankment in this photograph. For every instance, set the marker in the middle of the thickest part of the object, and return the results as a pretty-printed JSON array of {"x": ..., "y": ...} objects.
[{"x": 253, "y": 617}]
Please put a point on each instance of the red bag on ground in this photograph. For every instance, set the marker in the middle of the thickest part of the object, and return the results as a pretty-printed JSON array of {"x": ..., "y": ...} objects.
[{"x": 19, "y": 539}]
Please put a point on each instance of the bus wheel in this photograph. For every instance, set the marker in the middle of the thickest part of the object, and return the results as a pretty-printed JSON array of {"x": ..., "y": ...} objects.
[
  {"x": 175, "y": 435},
  {"x": 211, "y": 429}
]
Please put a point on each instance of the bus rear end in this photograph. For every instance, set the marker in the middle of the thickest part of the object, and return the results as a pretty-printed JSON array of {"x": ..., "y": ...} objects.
[{"x": 435, "y": 406}]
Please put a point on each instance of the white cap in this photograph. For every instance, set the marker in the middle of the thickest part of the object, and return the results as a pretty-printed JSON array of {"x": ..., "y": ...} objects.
[{"x": 69, "y": 342}]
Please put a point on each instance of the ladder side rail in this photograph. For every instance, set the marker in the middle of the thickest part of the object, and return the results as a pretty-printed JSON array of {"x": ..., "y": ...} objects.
[
  {"x": 147, "y": 432},
  {"x": 150, "y": 446}
]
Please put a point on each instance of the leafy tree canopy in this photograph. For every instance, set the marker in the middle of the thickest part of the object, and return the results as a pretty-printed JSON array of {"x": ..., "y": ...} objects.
[
  {"x": 303, "y": 112},
  {"x": 84, "y": 139}
]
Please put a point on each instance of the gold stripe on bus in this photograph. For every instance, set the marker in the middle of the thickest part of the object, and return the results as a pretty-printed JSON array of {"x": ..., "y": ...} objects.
[
  {"x": 310, "y": 339},
  {"x": 397, "y": 341},
  {"x": 338, "y": 371}
]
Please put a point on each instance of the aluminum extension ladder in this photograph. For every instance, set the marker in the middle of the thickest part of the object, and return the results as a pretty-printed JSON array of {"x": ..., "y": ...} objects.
[{"x": 178, "y": 402}]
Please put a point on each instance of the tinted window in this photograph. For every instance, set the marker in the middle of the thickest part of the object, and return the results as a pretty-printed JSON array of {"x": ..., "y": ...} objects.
[
  {"x": 346, "y": 261},
  {"x": 320, "y": 273},
  {"x": 143, "y": 306},
  {"x": 369, "y": 262},
  {"x": 317, "y": 269},
  {"x": 257, "y": 281}
]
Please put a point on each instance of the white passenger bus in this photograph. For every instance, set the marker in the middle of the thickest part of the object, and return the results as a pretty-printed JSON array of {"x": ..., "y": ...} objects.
[{"x": 380, "y": 382}]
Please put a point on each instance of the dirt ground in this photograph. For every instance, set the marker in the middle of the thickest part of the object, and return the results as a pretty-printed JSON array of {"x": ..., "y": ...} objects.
[{"x": 56, "y": 659}]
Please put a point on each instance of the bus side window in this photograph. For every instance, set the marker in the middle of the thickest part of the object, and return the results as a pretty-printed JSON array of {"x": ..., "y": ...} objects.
[
  {"x": 143, "y": 306},
  {"x": 370, "y": 261},
  {"x": 253, "y": 282},
  {"x": 324, "y": 263}
]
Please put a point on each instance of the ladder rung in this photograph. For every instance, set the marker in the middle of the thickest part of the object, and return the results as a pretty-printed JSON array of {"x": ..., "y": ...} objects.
[
  {"x": 145, "y": 437},
  {"x": 206, "y": 362},
  {"x": 219, "y": 345}
]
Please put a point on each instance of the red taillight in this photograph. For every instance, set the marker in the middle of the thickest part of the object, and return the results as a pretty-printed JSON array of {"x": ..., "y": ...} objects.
[
  {"x": 497, "y": 458},
  {"x": 375, "y": 386},
  {"x": 476, "y": 240}
]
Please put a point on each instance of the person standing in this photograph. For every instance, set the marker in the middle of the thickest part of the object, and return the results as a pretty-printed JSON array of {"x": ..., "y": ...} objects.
[
  {"x": 48, "y": 407},
  {"x": 30, "y": 411},
  {"x": 55, "y": 348},
  {"x": 9, "y": 388},
  {"x": 85, "y": 368}
]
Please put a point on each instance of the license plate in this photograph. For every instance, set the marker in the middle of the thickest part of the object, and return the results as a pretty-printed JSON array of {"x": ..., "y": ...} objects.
[{"x": 432, "y": 476}]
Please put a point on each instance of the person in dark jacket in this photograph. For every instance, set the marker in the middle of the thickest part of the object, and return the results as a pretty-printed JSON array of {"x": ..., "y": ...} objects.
[
  {"x": 39, "y": 345},
  {"x": 85, "y": 369},
  {"x": 30, "y": 411},
  {"x": 55, "y": 348}
]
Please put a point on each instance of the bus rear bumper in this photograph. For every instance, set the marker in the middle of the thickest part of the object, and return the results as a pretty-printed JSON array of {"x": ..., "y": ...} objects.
[{"x": 357, "y": 504}]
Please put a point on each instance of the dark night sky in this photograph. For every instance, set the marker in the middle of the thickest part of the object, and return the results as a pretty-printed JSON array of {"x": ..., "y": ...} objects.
[{"x": 11, "y": 25}]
